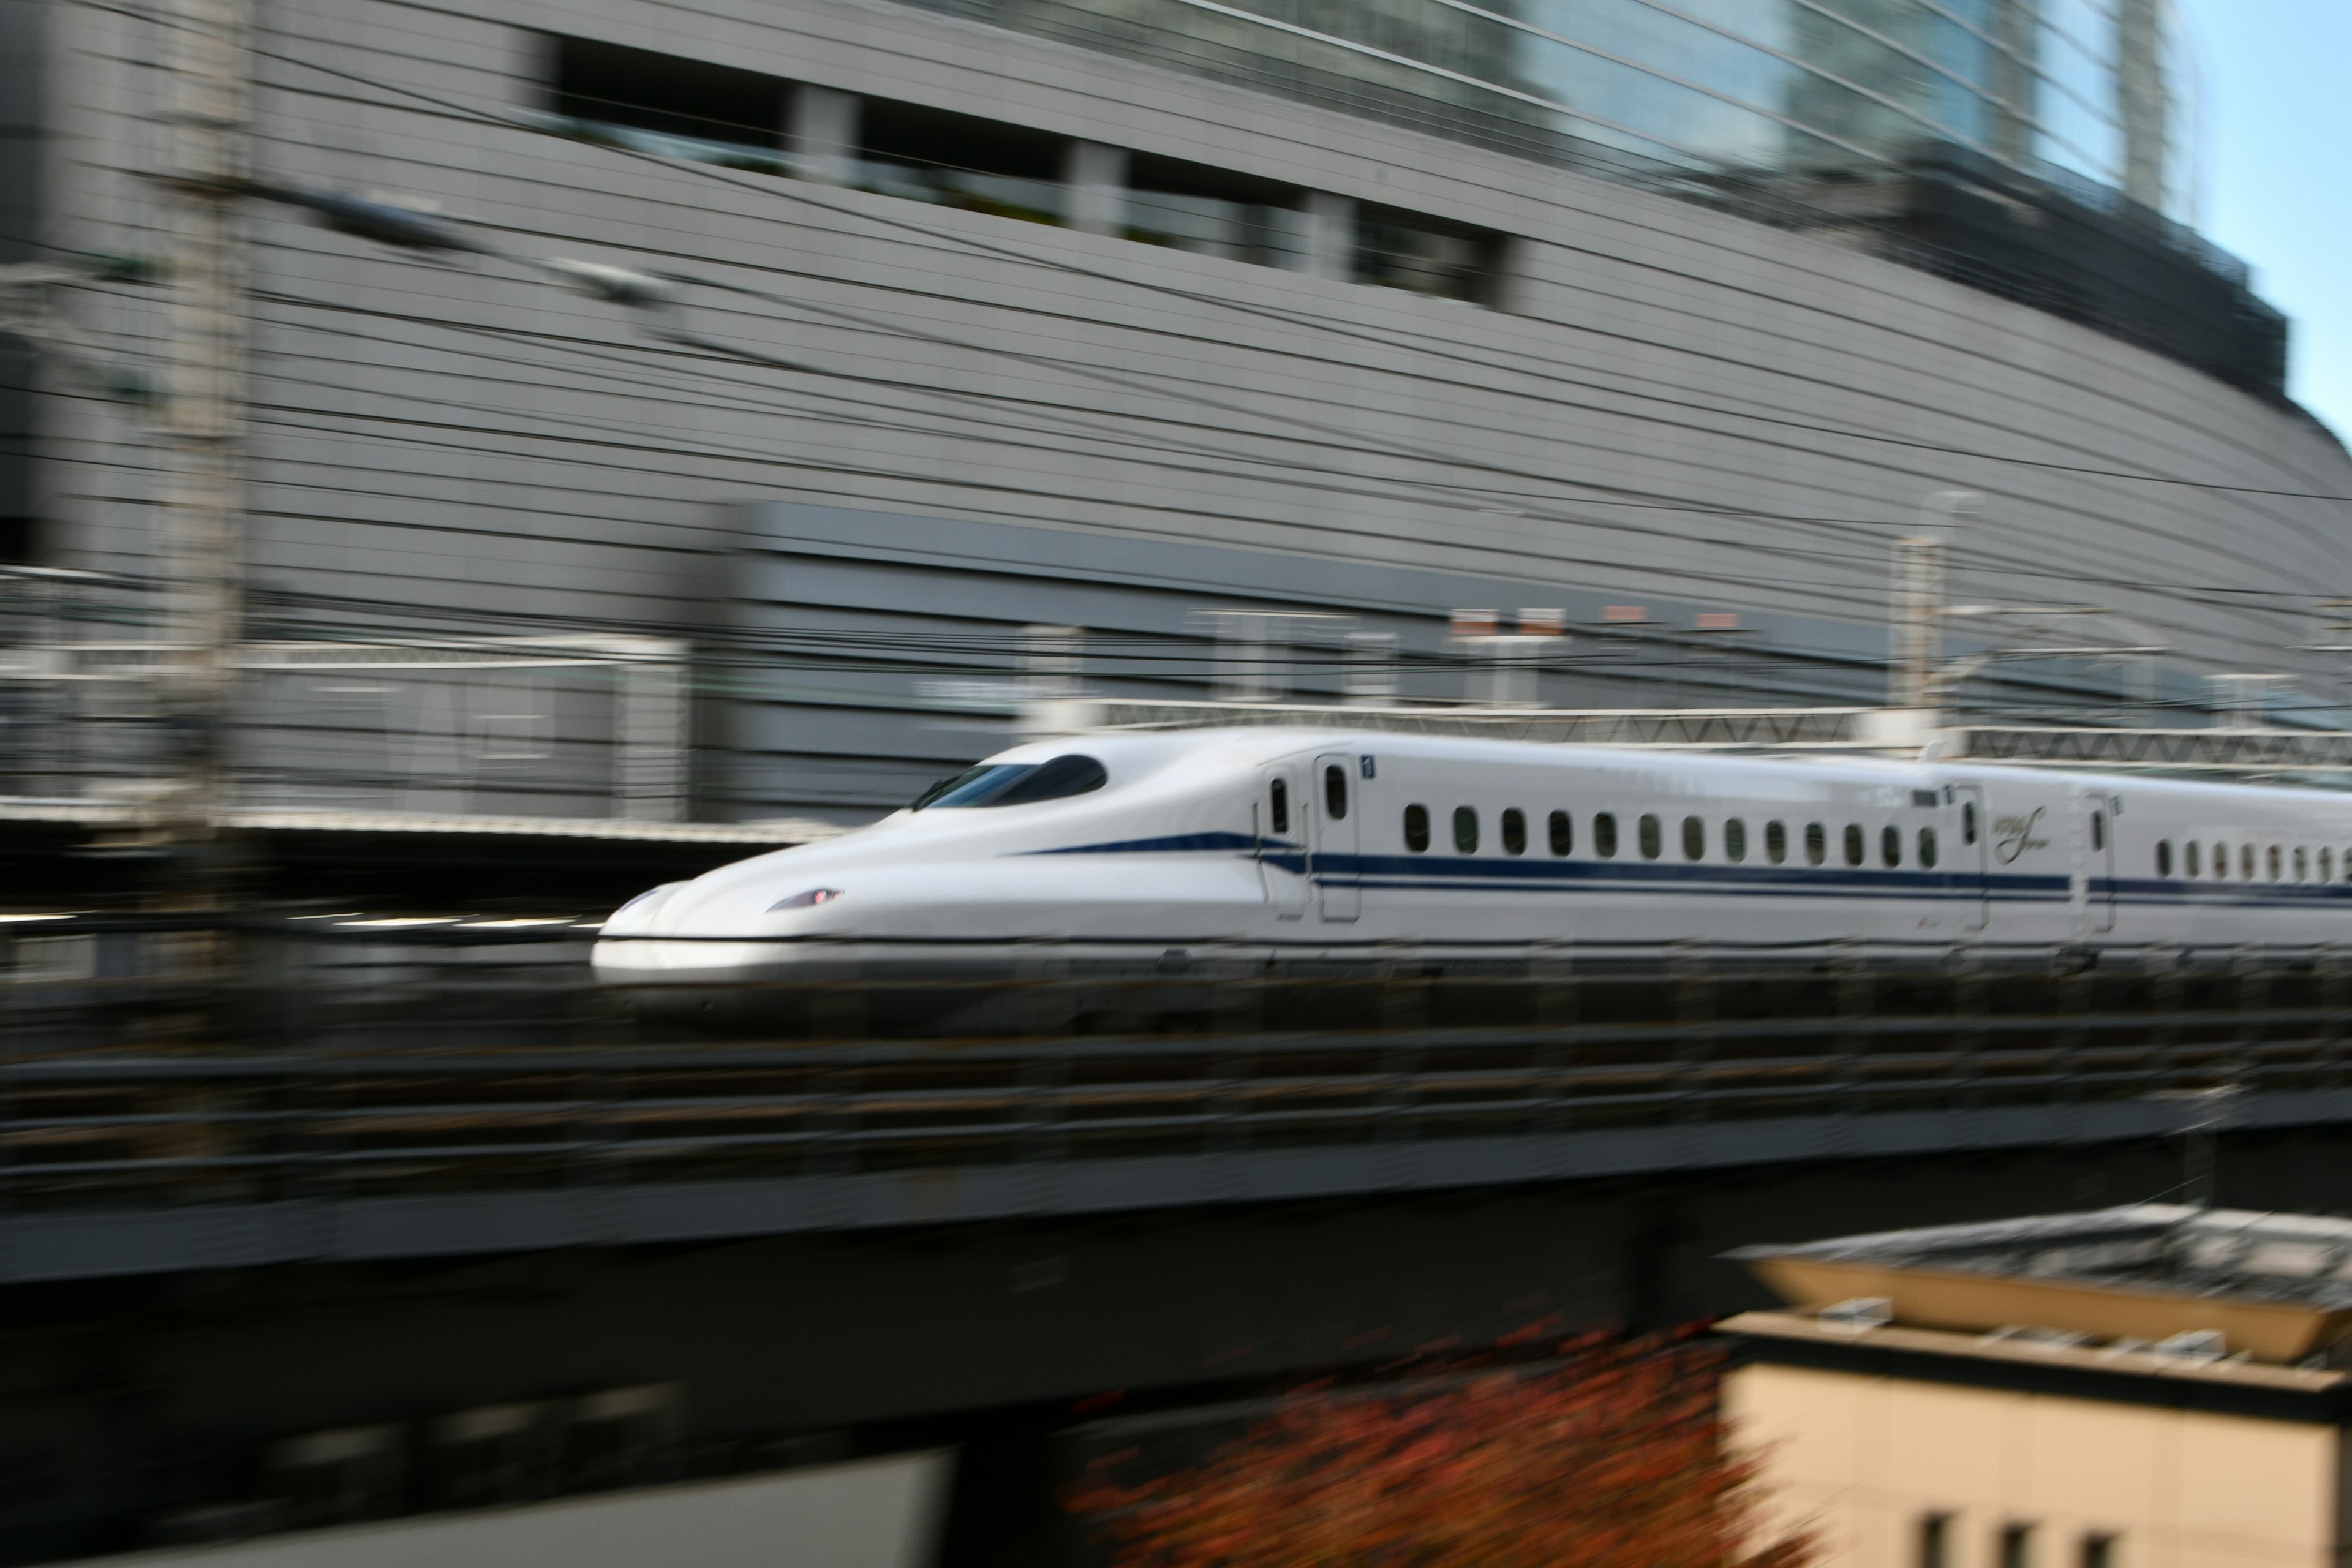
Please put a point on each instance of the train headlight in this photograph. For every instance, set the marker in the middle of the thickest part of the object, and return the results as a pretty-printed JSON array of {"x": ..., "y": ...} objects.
[{"x": 807, "y": 900}]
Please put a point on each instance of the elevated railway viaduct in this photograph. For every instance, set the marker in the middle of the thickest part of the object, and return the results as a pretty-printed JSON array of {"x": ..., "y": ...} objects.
[{"x": 397, "y": 1172}]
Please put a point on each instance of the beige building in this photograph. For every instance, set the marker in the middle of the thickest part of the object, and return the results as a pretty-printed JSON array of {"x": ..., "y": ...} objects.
[{"x": 2142, "y": 1387}]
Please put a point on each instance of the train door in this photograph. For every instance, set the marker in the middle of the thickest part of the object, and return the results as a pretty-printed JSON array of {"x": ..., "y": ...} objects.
[
  {"x": 1282, "y": 841},
  {"x": 1338, "y": 871},
  {"x": 1975, "y": 854},
  {"x": 2092, "y": 887}
]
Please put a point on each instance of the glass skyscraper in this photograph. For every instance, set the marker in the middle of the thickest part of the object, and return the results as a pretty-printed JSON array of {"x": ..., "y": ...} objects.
[{"x": 1712, "y": 87}]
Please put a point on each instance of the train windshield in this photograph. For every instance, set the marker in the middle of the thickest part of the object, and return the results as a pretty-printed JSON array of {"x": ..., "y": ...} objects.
[{"x": 1016, "y": 783}]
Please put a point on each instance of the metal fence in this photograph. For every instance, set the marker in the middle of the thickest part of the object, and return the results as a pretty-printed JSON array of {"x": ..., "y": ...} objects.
[{"x": 352, "y": 1058}]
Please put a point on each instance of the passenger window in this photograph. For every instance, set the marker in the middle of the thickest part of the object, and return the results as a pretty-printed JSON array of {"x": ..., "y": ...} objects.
[
  {"x": 2246, "y": 862},
  {"x": 2328, "y": 865},
  {"x": 1416, "y": 828},
  {"x": 1515, "y": 832},
  {"x": 1969, "y": 822},
  {"x": 2303, "y": 865},
  {"x": 1335, "y": 791},
  {"x": 1817, "y": 843},
  {"x": 1694, "y": 838},
  {"x": 1890, "y": 846},
  {"x": 2191, "y": 864},
  {"x": 1465, "y": 829},
  {"x": 1776, "y": 842},
  {"x": 1653, "y": 840},
  {"x": 1605, "y": 835},
  {"x": 1563, "y": 833},
  {"x": 1735, "y": 840},
  {"x": 1278, "y": 806},
  {"x": 2098, "y": 830},
  {"x": 2272, "y": 860},
  {"x": 2220, "y": 860},
  {"x": 1927, "y": 847},
  {"x": 1853, "y": 845},
  {"x": 2164, "y": 856}
]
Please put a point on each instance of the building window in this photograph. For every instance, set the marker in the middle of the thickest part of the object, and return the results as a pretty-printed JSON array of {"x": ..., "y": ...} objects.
[
  {"x": 1935, "y": 1540},
  {"x": 1694, "y": 838},
  {"x": 1890, "y": 845},
  {"x": 2164, "y": 856},
  {"x": 1735, "y": 840},
  {"x": 1605, "y": 835},
  {"x": 1927, "y": 847},
  {"x": 1652, "y": 838},
  {"x": 1817, "y": 843},
  {"x": 2016, "y": 1546},
  {"x": 1776, "y": 842},
  {"x": 1187, "y": 206},
  {"x": 712, "y": 113},
  {"x": 1278, "y": 806},
  {"x": 1853, "y": 845},
  {"x": 1563, "y": 833},
  {"x": 2098, "y": 1550},
  {"x": 1427, "y": 256},
  {"x": 1465, "y": 829},
  {"x": 1515, "y": 832},
  {"x": 1416, "y": 828}
]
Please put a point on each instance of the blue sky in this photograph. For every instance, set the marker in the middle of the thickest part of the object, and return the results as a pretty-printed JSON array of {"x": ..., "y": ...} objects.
[{"x": 2277, "y": 140}]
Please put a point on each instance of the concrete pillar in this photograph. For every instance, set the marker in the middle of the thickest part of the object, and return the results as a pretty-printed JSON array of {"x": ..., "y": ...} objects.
[
  {"x": 821, "y": 134},
  {"x": 1331, "y": 237},
  {"x": 1094, "y": 188}
]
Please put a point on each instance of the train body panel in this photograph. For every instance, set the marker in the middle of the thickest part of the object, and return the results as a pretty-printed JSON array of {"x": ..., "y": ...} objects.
[{"x": 1334, "y": 846}]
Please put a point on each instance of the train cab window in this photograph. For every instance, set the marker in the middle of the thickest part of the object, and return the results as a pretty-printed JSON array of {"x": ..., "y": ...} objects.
[
  {"x": 2303, "y": 865},
  {"x": 1890, "y": 846},
  {"x": 1853, "y": 845},
  {"x": 1927, "y": 847},
  {"x": 1652, "y": 838},
  {"x": 2270, "y": 859},
  {"x": 2192, "y": 865},
  {"x": 1694, "y": 838},
  {"x": 1335, "y": 791},
  {"x": 1277, "y": 806},
  {"x": 1817, "y": 844},
  {"x": 1465, "y": 829},
  {"x": 2246, "y": 862},
  {"x": 1563, "y": 833},
  {"x": 2164, "y": 856},
  {"x": 1605, "y": 835},
  {"x": 1515, "y": 832},
  {"x": 2098, "y": 830},
  {"x": 1416, "y": 828},
  {"x": 1968, "y": 822},
  {"x": 1776, "y": 842},
  {"x": 1735, "y": 840},
  {"x": 1015, "y": 783}
]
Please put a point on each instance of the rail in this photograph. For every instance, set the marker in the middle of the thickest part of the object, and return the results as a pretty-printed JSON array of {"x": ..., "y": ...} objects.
[{"x": 398, "y": 1059}]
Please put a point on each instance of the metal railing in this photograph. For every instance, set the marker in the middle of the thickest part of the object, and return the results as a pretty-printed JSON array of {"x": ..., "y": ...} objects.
[{"x": 353, "y": 1061}]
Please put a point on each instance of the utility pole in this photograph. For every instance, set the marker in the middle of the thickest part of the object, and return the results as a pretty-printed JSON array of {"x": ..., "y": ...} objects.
[
  {"x": 207, "y": 116},
  {"x": 1919, "y": 567}
]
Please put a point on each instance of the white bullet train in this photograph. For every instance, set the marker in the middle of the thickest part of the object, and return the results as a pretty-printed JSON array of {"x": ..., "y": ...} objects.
[{"x": 1326, "y": 847}]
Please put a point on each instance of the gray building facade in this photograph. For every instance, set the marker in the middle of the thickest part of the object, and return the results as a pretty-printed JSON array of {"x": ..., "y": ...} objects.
[{"x": 1017, "y": 317}]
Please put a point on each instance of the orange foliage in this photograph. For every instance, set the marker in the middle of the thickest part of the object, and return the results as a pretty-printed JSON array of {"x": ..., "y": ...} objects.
[{"x": 1609, "y": 1458}]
